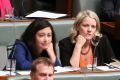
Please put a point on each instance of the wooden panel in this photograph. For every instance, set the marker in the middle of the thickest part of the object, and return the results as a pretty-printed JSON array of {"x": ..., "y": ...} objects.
[{"x": 64, "y": 6}]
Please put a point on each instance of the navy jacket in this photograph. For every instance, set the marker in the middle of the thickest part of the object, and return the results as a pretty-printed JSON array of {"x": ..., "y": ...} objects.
[
  {"x": 103, "y": 51},
  {"x": 23, "y": 56}
]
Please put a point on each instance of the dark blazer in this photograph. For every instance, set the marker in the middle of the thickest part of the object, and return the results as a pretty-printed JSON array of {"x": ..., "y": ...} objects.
[
  {"x": 109, "y": 9},
  {"x": 23, "y": 56},
  {"x": 103, "y": 51}
]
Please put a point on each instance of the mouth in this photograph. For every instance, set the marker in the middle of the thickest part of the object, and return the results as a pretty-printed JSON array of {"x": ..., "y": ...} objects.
[
  {"x": 89, "y": 34},
  {"x": 44, "y": 44}
]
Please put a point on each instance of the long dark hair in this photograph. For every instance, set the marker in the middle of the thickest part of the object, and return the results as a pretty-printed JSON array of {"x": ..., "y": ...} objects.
[{"x": 28, "y": 37}]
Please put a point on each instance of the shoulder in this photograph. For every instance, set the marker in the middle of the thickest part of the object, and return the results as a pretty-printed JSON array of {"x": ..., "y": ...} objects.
[
  {"x": 20, "y": 46},
  {"x": 104, "y": 38},
  {"x": 19, "y": 43},
  {"x": 64, "y": 40}
]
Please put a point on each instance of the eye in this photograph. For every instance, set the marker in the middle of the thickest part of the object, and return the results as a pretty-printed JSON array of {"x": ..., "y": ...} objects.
[
  {"x": 42, "y": 74},
  {"x": 85, "y": 25},
  {"x": 93, "y": 26},
  {"x": 50, "y": 75},
  {"x": 41, "y": 35},
  {"x": 49, "y": 35}
]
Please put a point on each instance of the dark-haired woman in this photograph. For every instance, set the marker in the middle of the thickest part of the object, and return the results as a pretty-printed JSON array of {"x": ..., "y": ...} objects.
[{"x": 38, "y": 40}]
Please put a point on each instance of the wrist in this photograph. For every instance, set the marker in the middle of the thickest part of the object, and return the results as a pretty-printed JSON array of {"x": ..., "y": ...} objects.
[{"x": 78, "y": 46}]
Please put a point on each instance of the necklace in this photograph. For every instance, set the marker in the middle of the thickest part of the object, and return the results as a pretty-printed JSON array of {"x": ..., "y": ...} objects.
[{"x": 84, "y": 53}]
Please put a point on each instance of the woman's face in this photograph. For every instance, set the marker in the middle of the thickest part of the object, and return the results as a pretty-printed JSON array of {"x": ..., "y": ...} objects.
[
  {"x": 43, "y": 38},
  {"x": 87, "y": 28}
]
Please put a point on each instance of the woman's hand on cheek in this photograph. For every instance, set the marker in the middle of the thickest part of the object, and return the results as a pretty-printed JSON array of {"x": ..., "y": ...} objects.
[
  {"x": 80, "y": 40},
  {"x": 51, "y": 52},
  {"x": 50, "y": 47}
]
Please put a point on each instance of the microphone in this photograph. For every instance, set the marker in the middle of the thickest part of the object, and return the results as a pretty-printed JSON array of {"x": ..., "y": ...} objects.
[
  {"x": 12, "y": 57},
  {"x": 95, "y": 42}
]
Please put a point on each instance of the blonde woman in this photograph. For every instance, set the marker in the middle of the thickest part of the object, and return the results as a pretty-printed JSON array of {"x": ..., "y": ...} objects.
[{"x": 85, "y": 42}]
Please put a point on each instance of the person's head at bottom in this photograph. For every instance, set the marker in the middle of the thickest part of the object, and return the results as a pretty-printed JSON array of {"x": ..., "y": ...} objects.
[{"x": 42, "y": 69}]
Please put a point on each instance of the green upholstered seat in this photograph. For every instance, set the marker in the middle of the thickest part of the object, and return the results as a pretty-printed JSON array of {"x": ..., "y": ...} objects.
[{"x": 10, "y": 31}]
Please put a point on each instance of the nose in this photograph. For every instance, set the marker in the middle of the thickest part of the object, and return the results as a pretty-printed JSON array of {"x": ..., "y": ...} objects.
[
  {"x": 46, "y": 38},
  {"x": 89, "y": 28},
  {"x": 47, "y": 78}
]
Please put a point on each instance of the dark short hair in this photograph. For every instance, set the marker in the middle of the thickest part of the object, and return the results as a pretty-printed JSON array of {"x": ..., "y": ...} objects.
[
  {"x": 41, "y": 60},
  {"x": 28, "y": 37}
]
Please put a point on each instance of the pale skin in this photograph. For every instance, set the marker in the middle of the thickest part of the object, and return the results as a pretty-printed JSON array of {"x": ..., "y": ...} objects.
[
  {"x": 43, "y": 72},
  {"x": 86, "y": 30},
  {"x": 44, "y": 42}
]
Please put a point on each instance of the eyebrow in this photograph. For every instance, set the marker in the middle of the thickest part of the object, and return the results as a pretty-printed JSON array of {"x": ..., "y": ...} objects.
[{"x": 45, "y": 74}]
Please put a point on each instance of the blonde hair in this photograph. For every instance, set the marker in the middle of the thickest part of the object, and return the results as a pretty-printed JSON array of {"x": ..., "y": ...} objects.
[{"x": 81, "y": 15}]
